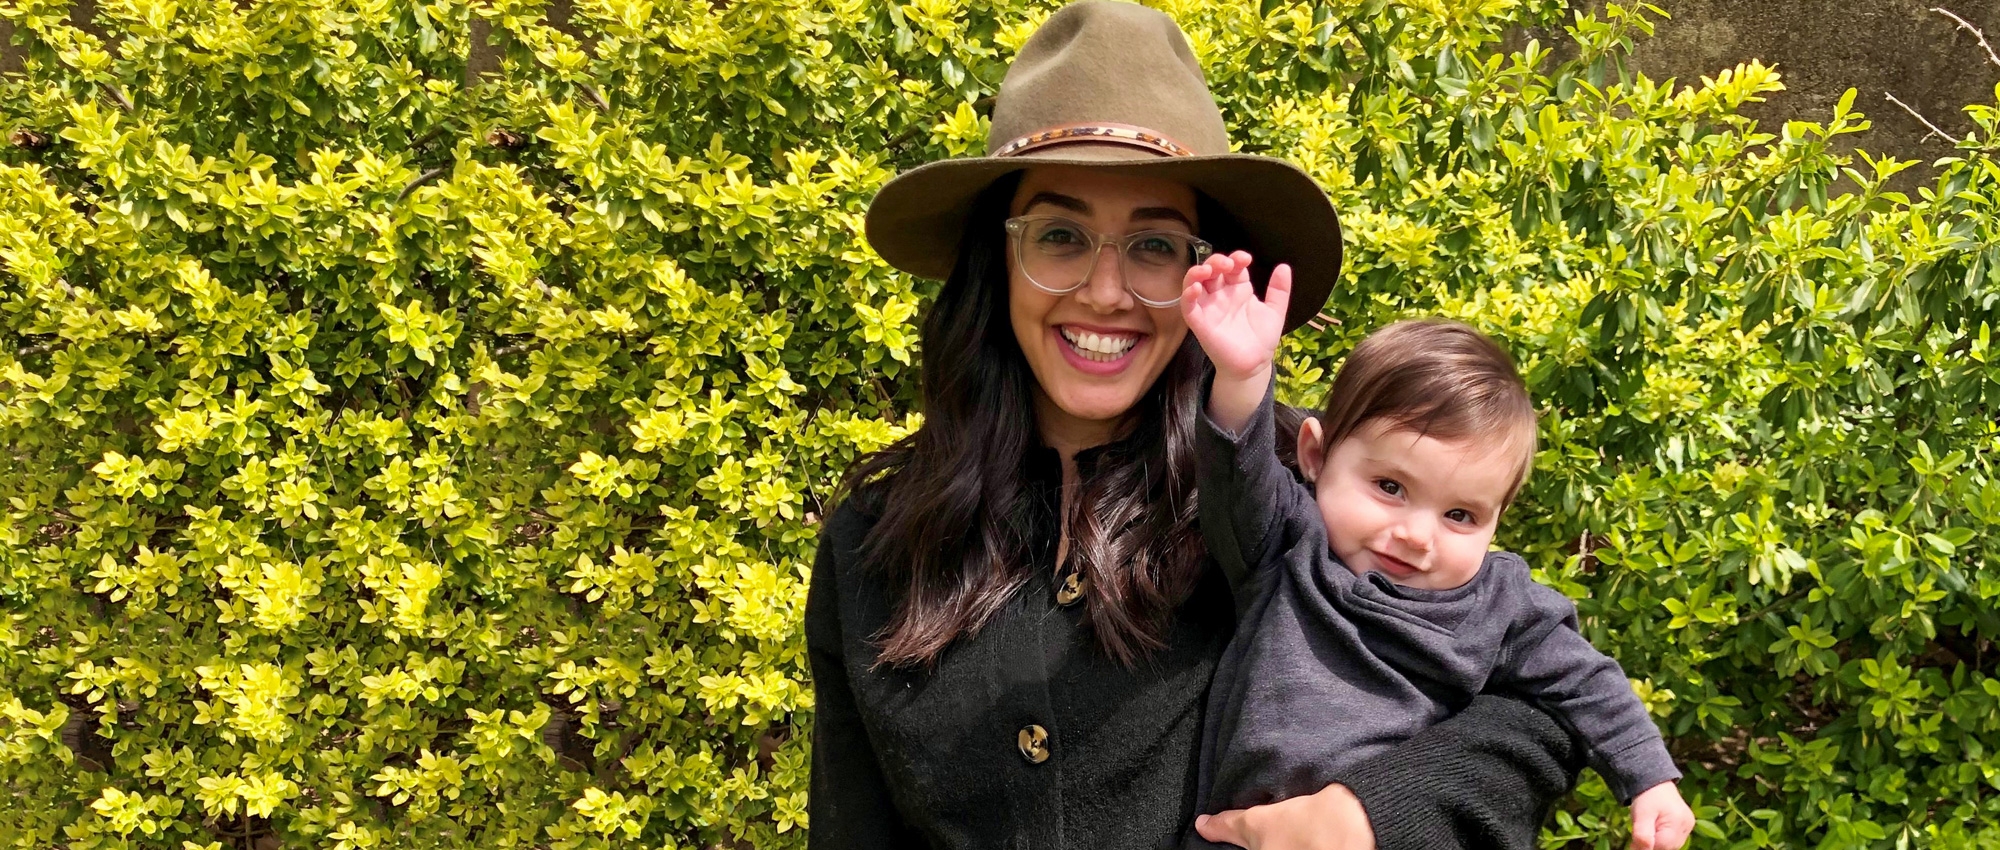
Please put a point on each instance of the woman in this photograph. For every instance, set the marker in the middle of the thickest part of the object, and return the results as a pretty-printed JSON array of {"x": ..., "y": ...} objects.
[{"x": 1012, "y": 620}]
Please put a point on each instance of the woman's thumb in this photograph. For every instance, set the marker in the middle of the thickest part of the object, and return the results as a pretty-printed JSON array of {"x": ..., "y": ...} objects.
[{"x": 1225, "y": 828}]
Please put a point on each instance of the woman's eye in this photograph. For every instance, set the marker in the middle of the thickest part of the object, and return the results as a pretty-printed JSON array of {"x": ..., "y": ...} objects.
[
  {"x": 1459, "y": 515},
  {"x": 1388, "y": 486},
  {"x": 1156, "y": 246},
  {"x": 1059, "y": 236}
]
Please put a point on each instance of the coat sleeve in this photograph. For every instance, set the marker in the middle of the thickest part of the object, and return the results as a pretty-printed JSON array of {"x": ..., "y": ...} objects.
[
  {"x": 850, "y": 804},
  {"x": 1550, "y": 663},
  {"x": 1485, "y": 778},
  {"x": 1251, "y": 506}
]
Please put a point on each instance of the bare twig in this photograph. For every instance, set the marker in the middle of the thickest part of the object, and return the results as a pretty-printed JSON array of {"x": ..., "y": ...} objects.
[
  {"x": 1776, "y": 604},
  {"x": 1968, "y": 27},
  {"x": 517, "y": 348},
  {"x": 429, "y": 136},
  {"x": 1919, "y": 116},
  {"x": 423, "y": 178},
  {"x": 117, "y": 95},
  {"x": 595, "y": 98},
  {"x": 1321, "y": 321}
]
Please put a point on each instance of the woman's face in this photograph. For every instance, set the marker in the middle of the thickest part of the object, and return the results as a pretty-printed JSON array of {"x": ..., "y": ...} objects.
[{"x": 1096, "y": 350}]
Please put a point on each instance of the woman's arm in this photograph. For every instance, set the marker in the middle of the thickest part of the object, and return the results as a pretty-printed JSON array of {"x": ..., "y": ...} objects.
[
  {"x": 1487, "y": 777},
  {"x": 850, "y": 804}
]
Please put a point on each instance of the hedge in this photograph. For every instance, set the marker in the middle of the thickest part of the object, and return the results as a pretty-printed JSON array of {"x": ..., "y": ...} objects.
[{"x": 404, "y": 455}]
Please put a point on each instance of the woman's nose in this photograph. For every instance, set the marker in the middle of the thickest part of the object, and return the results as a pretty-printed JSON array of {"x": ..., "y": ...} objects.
[{"x": 1105, "y": 290}]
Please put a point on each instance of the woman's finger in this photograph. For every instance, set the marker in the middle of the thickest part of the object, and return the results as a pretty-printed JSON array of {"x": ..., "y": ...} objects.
[{"x": 1224, "y": 828}]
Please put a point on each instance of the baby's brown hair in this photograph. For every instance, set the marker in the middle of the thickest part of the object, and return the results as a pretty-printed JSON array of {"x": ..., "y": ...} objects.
[{"x": 1436, "y": 377}]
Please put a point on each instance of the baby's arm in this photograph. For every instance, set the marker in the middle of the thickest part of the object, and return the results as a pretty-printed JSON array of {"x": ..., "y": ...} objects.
[
  {"x": 1549, "y": 661},
  {"x": 1251, "y": 507}
]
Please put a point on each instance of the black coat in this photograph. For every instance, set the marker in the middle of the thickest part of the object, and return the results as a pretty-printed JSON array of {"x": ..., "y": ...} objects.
[{"x": 1027, "y": 736}]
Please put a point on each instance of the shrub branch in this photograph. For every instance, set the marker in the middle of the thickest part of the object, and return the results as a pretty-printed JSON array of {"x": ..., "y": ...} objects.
[
  {"x": 1968, "y": 27},
  {"x": 1920, "y": 117}
]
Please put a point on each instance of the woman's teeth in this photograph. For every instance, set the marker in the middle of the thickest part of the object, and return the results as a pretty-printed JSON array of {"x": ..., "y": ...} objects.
[{"x": 1102, "y": 348}]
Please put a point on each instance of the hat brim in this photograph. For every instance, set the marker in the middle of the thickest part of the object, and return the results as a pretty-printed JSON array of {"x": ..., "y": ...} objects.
[{"x": 917, "y": 219}]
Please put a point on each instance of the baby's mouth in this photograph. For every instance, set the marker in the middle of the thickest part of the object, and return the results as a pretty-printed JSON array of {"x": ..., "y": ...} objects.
[{"x": 1395, "y": 564}]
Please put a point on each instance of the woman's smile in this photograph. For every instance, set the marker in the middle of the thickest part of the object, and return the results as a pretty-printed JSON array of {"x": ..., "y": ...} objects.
[{"x": 1099, "y": 351}]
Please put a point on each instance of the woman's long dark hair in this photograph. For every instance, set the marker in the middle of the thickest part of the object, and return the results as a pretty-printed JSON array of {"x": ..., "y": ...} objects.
[{"x": 954, "y": 534}]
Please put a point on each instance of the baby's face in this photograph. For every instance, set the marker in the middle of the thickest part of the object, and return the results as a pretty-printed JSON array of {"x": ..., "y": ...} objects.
[{"x": 1417, "y": 509}]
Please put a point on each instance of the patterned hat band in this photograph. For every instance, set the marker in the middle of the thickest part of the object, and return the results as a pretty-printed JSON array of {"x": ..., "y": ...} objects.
[{"x": 1123, "y": 134}]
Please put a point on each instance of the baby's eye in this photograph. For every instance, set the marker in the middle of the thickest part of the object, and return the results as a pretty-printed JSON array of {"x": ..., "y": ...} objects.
[
  {"x": 1389, "y": 486},
  {"x": 1460, "y": 515}
]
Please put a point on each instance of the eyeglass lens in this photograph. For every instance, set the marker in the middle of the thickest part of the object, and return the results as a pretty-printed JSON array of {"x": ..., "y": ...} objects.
[{"x": 1057, "y": 254}]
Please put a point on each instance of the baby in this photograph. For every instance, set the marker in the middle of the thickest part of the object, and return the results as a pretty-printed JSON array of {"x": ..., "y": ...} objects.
[{"x": 1370, "y": 606}]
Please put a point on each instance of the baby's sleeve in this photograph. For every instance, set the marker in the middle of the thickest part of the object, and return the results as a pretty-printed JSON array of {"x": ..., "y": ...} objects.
[
  {"x": 1549, "y": 662},
  {"x": 1252, "y": 509}
]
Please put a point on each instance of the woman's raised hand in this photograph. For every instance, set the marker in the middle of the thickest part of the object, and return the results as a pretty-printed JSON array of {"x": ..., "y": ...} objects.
[{"x": 1239, "y": 331}]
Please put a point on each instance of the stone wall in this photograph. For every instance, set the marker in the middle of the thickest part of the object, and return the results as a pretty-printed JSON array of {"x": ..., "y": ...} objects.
[{"x": 1824, "y": 47}]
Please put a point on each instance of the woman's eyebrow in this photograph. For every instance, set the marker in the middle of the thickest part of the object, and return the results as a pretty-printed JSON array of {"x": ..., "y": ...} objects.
[
  {"x": 1075, "y": 205},
  {"x": 1081, "y": 207},
  {"x": 1161, "y": 213}
]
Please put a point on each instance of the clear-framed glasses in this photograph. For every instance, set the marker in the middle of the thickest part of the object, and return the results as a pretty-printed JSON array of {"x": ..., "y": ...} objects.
[{"x": 1057, "y": 255}]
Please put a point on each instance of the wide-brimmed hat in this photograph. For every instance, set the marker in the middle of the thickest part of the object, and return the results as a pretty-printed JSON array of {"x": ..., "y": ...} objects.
[{"x": 1114, "y": 85}]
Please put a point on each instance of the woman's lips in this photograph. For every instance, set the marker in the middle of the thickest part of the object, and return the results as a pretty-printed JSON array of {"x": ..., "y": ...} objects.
[{"x": 1077, "y": 360}]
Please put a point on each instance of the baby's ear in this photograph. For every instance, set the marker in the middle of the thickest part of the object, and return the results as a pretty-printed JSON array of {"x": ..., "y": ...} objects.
[{"x": 1311, "y": 448}]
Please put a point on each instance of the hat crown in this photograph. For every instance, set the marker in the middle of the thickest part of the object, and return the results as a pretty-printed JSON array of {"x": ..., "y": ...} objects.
[{"x": 1105, "y": 62}]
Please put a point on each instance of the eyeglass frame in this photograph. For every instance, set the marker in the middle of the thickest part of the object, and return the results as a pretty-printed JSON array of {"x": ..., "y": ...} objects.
[{"x": 1202, "y": 251}]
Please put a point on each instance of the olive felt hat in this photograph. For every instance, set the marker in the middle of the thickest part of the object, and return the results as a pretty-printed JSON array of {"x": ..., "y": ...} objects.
[{"x": 1114, "y": 85}]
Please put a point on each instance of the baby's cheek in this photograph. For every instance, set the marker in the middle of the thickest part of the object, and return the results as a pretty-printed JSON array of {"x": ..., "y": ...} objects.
[
  {"x": 1460, "y": 560},
  {"x": 1345, "y": 522}
]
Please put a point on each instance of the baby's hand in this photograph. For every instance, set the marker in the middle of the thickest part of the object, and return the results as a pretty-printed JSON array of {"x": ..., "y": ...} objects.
[
  {"x": 1660, "y": 819},
  {"x": 1239, "y": 331}
]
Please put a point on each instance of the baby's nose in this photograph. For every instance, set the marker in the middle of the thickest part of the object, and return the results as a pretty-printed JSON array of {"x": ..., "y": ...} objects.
[{"x": 1416, "y": 532}]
